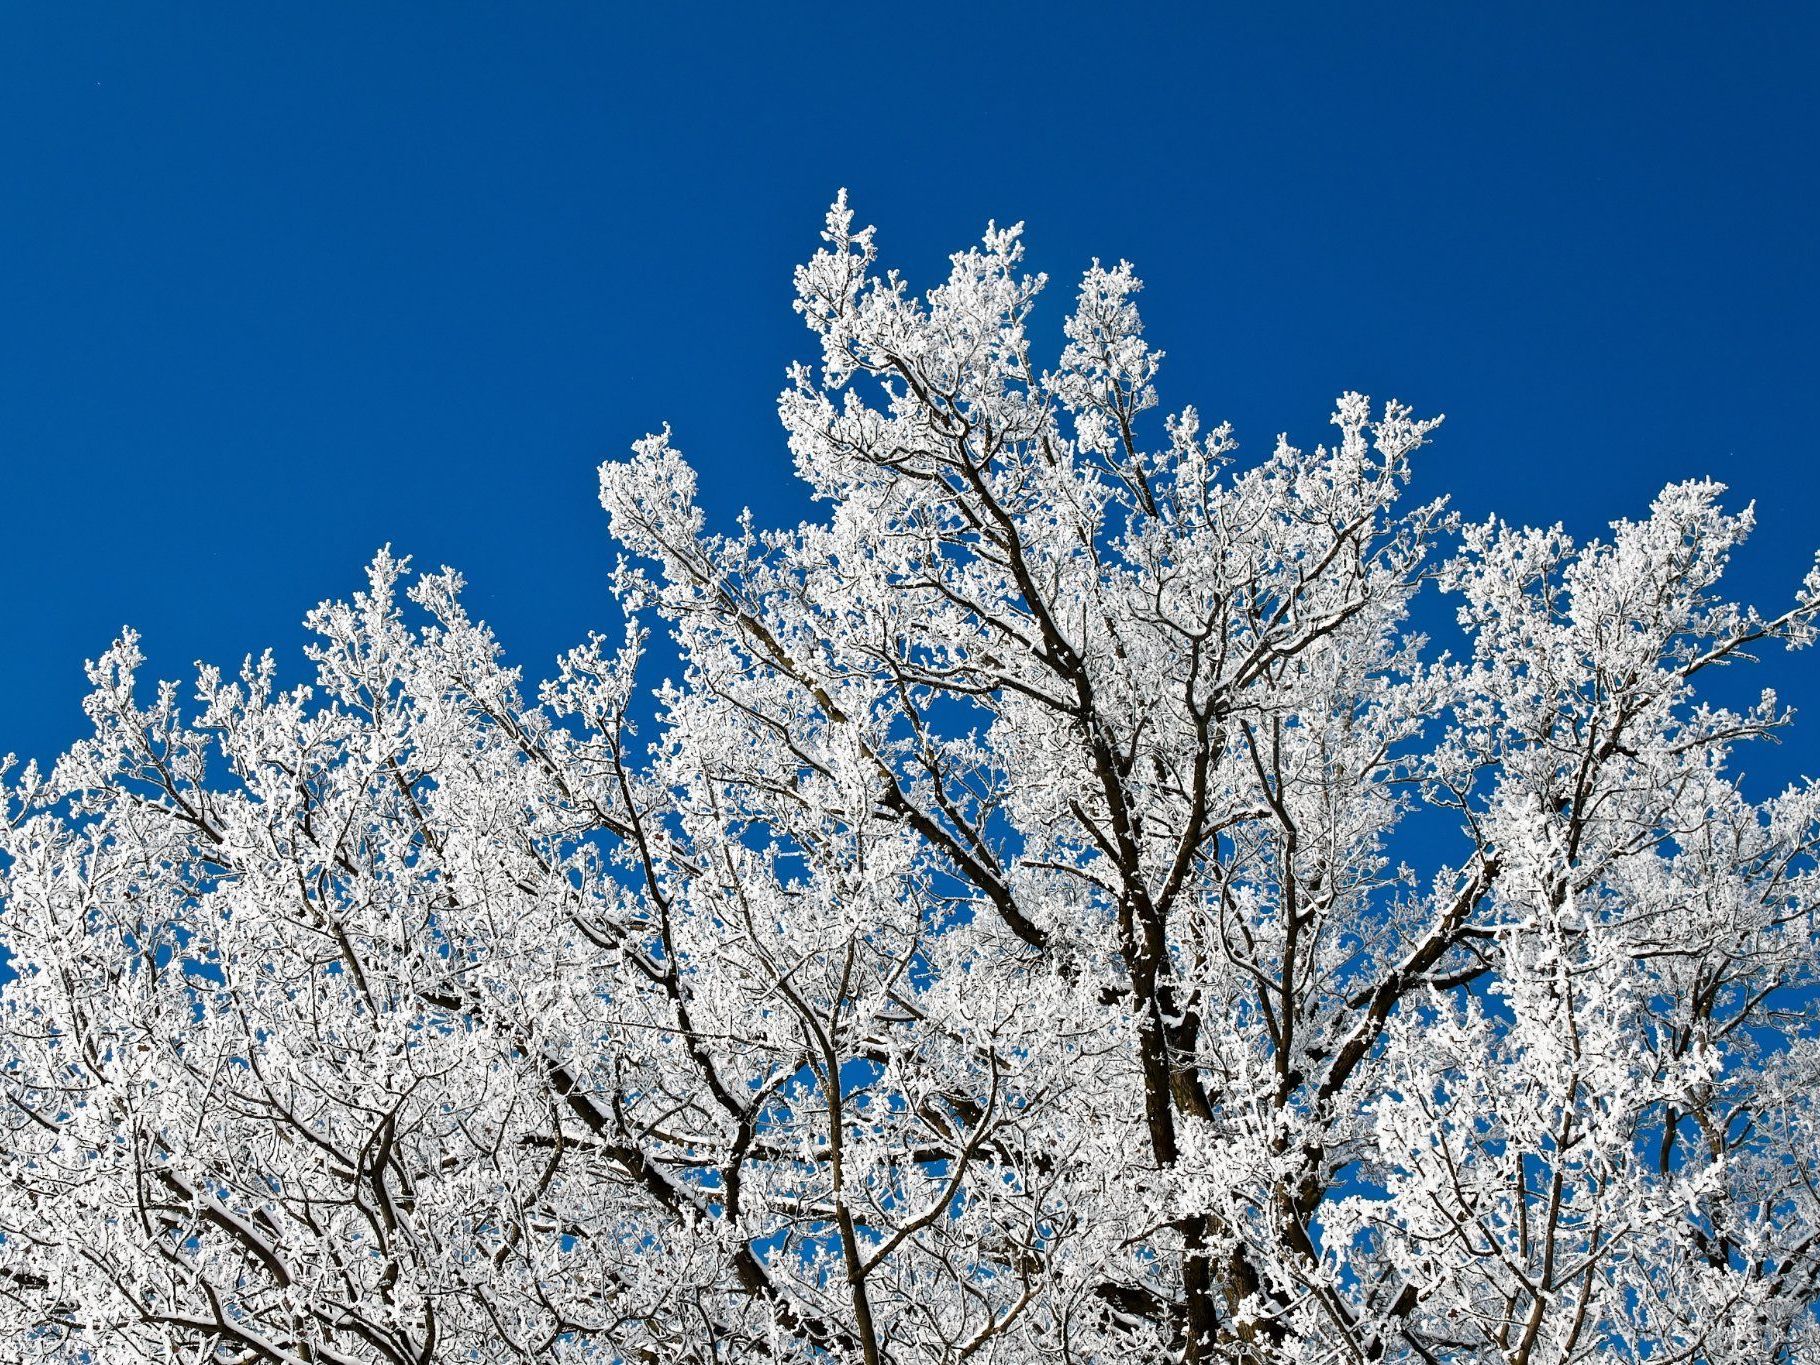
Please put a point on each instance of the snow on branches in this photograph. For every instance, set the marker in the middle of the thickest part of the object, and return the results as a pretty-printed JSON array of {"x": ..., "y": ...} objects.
[{"x": 1002, "y": 947}]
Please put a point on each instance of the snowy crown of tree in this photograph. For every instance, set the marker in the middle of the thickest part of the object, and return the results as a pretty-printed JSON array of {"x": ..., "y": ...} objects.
[{"x": 1002, "y": 945}]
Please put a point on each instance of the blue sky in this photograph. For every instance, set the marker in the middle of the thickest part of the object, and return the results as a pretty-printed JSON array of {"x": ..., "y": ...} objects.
[{"x": 279, "y": 285}]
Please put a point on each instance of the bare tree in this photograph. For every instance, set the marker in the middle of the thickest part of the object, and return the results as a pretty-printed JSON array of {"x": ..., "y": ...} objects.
[{"x": 1002, "y": 949}]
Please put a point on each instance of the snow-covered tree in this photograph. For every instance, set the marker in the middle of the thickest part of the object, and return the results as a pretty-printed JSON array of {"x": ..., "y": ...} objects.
[{"x": 1062, "y": 912}]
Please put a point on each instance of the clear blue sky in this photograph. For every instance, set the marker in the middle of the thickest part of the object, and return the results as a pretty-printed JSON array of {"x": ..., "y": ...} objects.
[{"x": 279, "y": 284}]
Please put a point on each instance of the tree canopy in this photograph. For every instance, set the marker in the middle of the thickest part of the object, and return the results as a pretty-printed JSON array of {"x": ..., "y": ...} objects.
[{"x": 1062, "y": 909}]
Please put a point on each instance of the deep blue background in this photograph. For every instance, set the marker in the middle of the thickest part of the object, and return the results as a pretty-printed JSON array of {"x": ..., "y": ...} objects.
[{"x": 277, "y": 287}]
